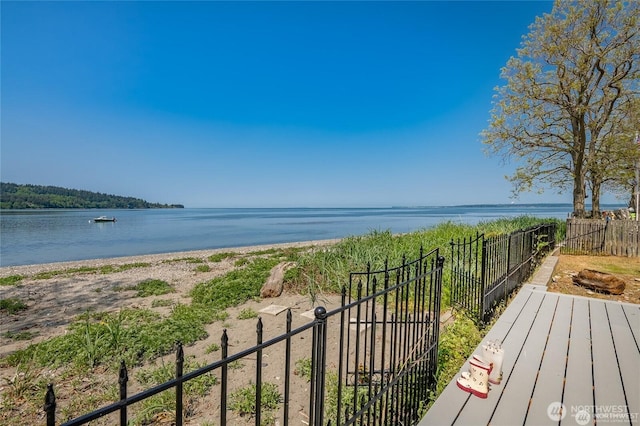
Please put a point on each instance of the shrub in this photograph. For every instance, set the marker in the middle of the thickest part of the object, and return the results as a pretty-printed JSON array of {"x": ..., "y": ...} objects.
[
  {"x": 12, "y": 305},
  {"x": 243, "y": 401},
  {"x": 11, "y": 280}
]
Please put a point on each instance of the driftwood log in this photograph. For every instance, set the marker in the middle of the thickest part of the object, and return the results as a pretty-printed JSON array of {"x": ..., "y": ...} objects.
[
  {"x": 274, "y": 285},
  {"x": 599, "y": 281}
]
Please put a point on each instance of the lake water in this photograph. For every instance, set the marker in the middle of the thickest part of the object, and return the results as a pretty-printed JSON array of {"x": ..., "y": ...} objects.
[{"x": 44, "y": 236}]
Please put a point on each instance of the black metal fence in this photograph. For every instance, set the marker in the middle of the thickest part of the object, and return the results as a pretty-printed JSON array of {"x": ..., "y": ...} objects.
[
  {"x": 373, "y": 359},
  {"x": 484, "y": 271}
]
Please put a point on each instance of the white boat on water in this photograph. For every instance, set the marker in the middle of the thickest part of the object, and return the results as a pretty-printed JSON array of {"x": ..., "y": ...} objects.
[{"x": 104, "y": 219}]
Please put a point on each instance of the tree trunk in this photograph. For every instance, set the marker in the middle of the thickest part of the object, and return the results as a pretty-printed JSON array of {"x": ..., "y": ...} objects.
[
  {"x": 595, "y": 200},
  {"x": 578, "y": 197},
  {"x": 579, "y": 176}
]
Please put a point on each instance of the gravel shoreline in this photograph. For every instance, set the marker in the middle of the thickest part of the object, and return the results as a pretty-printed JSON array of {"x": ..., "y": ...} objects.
[{"x": 37, "y": 268}]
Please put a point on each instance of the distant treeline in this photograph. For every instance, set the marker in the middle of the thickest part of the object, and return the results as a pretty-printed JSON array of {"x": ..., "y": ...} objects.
[{"x": 15, "y": 196}]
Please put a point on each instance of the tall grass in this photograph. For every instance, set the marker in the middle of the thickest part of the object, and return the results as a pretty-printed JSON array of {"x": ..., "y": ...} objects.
[{"x": 326, "y": 270}]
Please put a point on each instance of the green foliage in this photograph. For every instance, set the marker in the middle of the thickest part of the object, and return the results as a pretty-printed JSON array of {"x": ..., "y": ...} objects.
[
  {"x": 247, "y": 313},
  {"x": 327, "y": 269},
  {"x": 157, "y": 303},
  {"x": 164, "y": 403},
  {"x": 219, "y": 257},
  {"x": 203, "y": 268},
  {"x": 303, "y": 368},
  {"x": 132, "y": 335},
  {"x": 152, "y": 287},
  {"x": 243, "y": 401},
  {"x": 214, "y": 347},
  {"x": 346, "y": 397},
  {"x": 566, "y": 112},
  {"x": 241, "y": 262},
  {"x": 20, "y": 335},
  {"x": 456, "y": 344},
  {"x": 12, "y": 305},
  {"x": 234, "y": 288},
  {"x": 106, "y": 269},
  {"x": 11, "y": 280},
  {"x": 26, "y": 383},
  {"x": 16, "y": 196}
]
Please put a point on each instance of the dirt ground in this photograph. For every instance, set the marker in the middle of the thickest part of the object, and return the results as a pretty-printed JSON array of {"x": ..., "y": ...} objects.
[{"x": 625, "y": 268}]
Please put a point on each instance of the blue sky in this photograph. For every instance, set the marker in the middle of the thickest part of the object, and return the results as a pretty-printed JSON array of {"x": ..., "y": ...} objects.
[{"x": 259, "y": 104}]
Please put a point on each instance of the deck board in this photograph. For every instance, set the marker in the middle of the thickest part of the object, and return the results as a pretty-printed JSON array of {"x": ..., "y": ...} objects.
[
  {"x": 550, "y": 381},
  {"x": 578, "y": 386},
  {"x": 516, "y": 392},
  {"x": 628, "y": 356},
  {"x": 607, "y": 386},
  {"x": 632, "y": 313},
  {"x": 475, "y": 411}
]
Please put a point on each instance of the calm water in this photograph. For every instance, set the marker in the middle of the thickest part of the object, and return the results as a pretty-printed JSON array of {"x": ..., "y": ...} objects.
[{"x": 43, "y": 236}]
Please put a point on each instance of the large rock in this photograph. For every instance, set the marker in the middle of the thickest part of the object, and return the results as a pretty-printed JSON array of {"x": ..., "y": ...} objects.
[
  {"x": 599, "y": 281},
  {"x": 274, "y": 285}
]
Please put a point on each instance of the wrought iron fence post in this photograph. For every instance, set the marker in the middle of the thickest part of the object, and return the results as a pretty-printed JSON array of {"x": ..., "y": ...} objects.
[
  {"x": 259, "y": 373},
  {"x": 341, "y": 356},
  {"x": 123, "y": 378},
  {"x": 50, "y": 405},
  {"x": 483, "y": 283},
  {"x": 452, "y": 278},
  {"x": 319, "y": 357},
  {"x": 287, "y": 368},
  {"x": 508, "y": 277},
  {"x": 224, "y": 341},
  {"x": 179, "y": 385},
  {"x": 436, "y": 329}
]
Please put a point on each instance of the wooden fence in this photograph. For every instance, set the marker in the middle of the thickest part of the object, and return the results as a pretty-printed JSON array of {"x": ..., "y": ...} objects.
[{"x": 606, "y": 237}]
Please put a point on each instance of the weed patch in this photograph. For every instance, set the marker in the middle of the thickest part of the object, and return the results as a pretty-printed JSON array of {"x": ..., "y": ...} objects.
[
  {"x": 163, "y": 405},
  {"x": 203, "y": 268},
  {"x": 20, "y": 335},
  {"x": 247, "y": 314},
  {"x": 152, "y": 287},
  {"x": 12, "y": 305},
  {"x": 235, "y": 288},
  {"x": 243, "y": 401},
  {"x": 219, "y": 257},
  {"x": 11, "y": 280}
]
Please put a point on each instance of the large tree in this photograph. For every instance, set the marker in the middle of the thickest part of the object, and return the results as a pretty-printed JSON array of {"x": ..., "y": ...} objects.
[
  {"x": 613, "y": 167},
  {"x": 566, "y": 95}
]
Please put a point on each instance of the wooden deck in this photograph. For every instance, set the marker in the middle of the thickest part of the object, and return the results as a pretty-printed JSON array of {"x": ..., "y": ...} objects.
[{"x": 580, "y": 352}]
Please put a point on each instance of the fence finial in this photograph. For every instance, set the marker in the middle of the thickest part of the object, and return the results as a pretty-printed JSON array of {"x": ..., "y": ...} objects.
[
  {"x": 50, "y": 405},
  {"x": 320, "y": 312},
  {"x": 123, "y": 376}
]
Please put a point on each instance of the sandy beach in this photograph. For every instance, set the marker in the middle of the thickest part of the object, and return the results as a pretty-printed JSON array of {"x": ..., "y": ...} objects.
[{"x": 53, "y": 303}]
